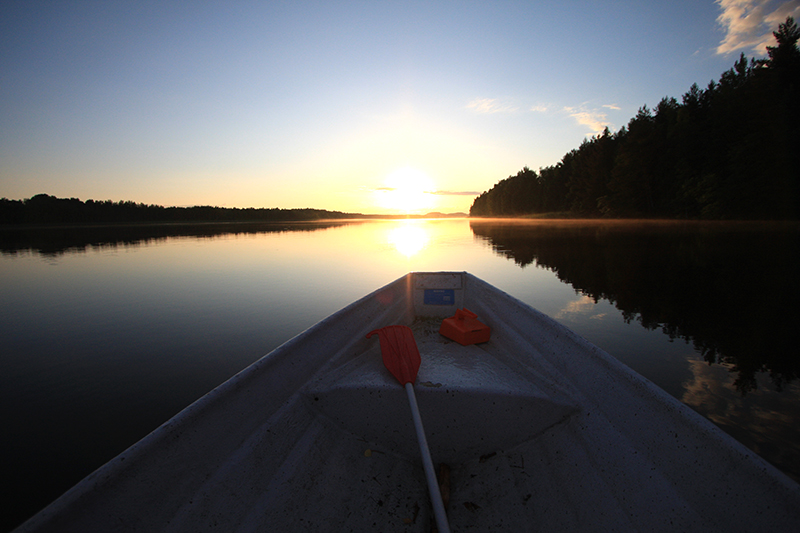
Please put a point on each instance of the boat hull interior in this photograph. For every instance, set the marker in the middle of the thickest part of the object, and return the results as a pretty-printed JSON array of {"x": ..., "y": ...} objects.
[{"x": 536, "y": 429}]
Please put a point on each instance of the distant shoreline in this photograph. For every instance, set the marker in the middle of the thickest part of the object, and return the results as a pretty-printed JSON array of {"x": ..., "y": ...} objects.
[{"x": 43, "y": 210}]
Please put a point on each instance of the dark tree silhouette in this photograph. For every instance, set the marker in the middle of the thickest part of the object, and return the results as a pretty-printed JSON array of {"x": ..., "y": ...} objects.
[{"x": 46, "y": 209}]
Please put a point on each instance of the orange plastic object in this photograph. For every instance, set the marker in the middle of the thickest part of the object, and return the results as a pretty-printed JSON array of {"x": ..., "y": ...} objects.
[
  {"x": 399, "y": 351},
  {"x": 465, "y": 328}
]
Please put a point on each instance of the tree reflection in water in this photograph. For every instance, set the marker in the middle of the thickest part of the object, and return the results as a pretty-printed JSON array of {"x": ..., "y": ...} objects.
[
  {"x": 58, "y": 240},
  {"x": 729, "y": 288}
]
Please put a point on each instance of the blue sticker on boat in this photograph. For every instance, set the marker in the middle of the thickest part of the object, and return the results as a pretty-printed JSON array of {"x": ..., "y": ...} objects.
[{"x": 440, "y": 296}]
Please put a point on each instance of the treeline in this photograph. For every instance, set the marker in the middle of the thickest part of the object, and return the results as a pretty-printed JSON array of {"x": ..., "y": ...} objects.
[
  {"x": 46, "y": 209},
  {"x": 729, "y": 151}
]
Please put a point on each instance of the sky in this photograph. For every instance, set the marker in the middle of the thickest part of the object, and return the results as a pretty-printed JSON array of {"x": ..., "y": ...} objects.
[{"x": 368, "y": 107}]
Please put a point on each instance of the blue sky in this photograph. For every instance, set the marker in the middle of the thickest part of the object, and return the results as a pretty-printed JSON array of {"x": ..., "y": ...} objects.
[{"x": 337, "y": 105}]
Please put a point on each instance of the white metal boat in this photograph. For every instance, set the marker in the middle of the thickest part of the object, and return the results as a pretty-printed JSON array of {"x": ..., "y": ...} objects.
[{"x": 540, "y": 430}]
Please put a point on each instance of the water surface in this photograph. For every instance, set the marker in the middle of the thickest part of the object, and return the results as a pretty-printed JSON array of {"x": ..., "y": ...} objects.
[{"x": 108, "y": 332}]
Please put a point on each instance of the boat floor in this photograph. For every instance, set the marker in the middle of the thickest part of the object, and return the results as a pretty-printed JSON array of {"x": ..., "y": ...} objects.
[
  {"x": 520, "y": 454},
  {"x": 474, "y": 407}
]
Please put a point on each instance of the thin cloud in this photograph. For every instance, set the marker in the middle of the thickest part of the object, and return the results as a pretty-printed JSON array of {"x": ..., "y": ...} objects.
[
  {"x": 454, "y": 193},
  {"x": 595, "y": 120},
  {"x": 749, "y": 24},
  {"x": 437, "y": 193},
  {"x": 491, "y": 105}
]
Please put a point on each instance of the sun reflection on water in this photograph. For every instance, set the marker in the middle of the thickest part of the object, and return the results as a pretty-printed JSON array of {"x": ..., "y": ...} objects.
[{"x": 409, "y": 239}]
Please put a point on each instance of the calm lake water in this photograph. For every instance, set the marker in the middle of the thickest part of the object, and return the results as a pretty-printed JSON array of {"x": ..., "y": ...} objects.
[{"x": 108, "y": 332}]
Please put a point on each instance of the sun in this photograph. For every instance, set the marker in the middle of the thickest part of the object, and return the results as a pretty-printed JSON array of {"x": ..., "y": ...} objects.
[{"x": 408, "y": 191}]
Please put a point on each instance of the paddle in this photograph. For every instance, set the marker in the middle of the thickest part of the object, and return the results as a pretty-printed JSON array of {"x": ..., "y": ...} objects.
[{"x": 401, "y": 358}]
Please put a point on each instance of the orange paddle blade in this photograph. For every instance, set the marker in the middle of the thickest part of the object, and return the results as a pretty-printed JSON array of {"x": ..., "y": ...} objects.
[{"x": 399, "y": 351}]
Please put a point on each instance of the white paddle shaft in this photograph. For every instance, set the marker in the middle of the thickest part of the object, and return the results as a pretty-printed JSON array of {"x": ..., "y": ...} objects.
[{"x": 427, "y": 463}]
